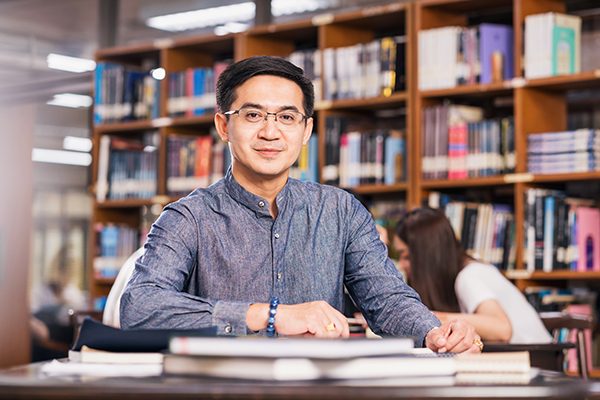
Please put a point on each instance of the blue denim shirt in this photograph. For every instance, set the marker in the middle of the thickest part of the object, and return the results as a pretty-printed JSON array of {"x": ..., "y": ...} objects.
[{"x": 218, "y": 250}]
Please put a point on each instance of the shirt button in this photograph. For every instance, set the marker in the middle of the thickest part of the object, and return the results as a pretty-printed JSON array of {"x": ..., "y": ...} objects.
[
  {"x": 279, "y": 275},
  {"x": 277, "y": 236},
  {"x": 228, "y": 328},
  {"x": 261, "y": 204}
]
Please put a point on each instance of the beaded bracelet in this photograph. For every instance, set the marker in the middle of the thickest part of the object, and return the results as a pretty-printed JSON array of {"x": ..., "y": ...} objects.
[{"x": 271, "y": 321}]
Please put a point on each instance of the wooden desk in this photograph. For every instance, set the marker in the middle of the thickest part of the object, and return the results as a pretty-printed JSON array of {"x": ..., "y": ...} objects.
[{"x": 25, "y": 382}]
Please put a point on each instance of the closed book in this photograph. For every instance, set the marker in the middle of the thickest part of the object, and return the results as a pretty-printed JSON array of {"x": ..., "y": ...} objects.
[
  {"x": 297, "y": 369},
  {"x": 89, "y": 355},
  {"x": 263, "y": 347},
  {"x": 496, "y": 52}
]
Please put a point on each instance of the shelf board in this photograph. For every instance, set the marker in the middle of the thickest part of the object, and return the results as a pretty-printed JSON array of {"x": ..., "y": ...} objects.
[
  {"x": 488, "y": 89},
  {"x": 133, "y": 203},
  {"x": 465, "y": 6},
  {"x": 582, "y": 80},
  {"x": 206, "y": 119},
  {"x": 129, "y": 126},
  {"x": 469, "y": 182},
  {"x": 379, "y": 189},
  {"x": 368, "y": 103},
  {"x": 554, "y": 275},
  {"x": 568, "y": 177},
  {"x": 142, "y": 125}
]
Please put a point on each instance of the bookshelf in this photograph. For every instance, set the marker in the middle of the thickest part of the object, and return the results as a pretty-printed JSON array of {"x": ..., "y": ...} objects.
[
  {"x": 518, "y": 104},
  {"x": 541, "y": 104}
]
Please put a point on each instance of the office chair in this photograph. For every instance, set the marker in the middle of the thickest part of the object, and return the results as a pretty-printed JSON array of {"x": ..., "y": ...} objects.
[{"x": 111, "y": 315}]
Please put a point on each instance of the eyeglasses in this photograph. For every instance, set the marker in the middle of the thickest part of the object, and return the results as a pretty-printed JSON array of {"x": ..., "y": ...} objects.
[{"x": 286, "y": 119}]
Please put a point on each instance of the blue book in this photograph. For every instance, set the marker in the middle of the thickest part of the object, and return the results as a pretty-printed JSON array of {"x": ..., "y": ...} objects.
[
  {"x": 199, "y": 85},
  {"x": 496, "y": 52},
  {"x": 394, "y": 148}
]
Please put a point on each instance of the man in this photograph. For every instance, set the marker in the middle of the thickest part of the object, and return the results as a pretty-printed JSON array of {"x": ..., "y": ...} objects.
[{"x": 218, "y": 256}]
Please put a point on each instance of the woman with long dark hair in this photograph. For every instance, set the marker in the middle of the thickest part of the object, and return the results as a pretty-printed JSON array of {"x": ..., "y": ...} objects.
[{"x": 456, "y": 285}]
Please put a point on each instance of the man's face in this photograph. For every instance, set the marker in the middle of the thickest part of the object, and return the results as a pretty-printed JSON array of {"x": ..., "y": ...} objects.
[{"x": 265, "y": 149}]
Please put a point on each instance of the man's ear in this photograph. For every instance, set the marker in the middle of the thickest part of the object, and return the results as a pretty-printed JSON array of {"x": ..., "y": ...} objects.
[
  {"x": 308, "y": 129},
  {"x": 221, "y": 126}
]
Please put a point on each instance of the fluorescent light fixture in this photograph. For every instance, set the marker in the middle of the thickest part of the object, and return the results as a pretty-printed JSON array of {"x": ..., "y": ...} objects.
[
  {"x": 286, "y": 7},
  {"x": 61, "y": 157},
  {"x": 71, "y": 100},
  {"x": 203, "y": 18},
  {"x": 158, "y": 73},
  {"x": 77, "y": 144},
  {"x": 71, "y": 64},
  {"x": 231, "y": 27}
]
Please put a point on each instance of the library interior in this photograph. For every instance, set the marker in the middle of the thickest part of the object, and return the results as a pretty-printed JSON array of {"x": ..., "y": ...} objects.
[{"x": 437, "y": 116}]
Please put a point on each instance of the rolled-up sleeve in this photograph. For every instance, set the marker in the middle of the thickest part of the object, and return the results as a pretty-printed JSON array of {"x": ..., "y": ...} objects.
[
  {"x": 390, "y": 306},
  {"x": 155, "y": 297}
]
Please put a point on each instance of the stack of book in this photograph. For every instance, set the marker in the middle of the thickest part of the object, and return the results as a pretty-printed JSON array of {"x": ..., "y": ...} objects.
[
  {"x": 564, "y": 152},
  {"x": 385, "y": 361}
]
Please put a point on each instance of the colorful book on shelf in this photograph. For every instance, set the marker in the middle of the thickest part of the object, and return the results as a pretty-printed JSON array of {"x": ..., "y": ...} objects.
[
  {"x": 496, "y": 52},
  {"x": 588, "y": 239}
]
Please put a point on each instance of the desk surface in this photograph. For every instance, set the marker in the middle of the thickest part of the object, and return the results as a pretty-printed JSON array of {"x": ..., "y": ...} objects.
[{"x": 27, "y": 382}]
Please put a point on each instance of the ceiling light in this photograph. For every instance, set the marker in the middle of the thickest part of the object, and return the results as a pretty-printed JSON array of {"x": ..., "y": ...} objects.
[
  {"x": 71, "y": 100},
  {"x": 71, "y": 64},
  {"x": 158, "y": 73},
  {"x": 77, "y": 144},
  {"x": 286, "y": 7},
  {"x": 61, "y": 157},
  {"x": 203, "y": 18},
  {"x": 231, "y": 27}
]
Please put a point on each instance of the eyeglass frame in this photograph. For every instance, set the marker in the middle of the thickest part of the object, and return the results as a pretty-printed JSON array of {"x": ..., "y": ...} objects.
[{"x": 267, "y": 113}]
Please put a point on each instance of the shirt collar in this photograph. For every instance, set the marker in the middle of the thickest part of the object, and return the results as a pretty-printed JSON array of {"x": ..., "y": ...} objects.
[{"x": 251, "y": 201}]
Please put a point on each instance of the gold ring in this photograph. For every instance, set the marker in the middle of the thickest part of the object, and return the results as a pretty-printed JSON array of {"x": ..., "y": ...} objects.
[
  {"x": 477, "y": 342},
  {"x": 330, "y": 327}
]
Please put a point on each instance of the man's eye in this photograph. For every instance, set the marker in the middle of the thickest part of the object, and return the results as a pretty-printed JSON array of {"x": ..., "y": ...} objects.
[
  {"x": 286, "y": 117},
  {"x": 253, "y": 115}
]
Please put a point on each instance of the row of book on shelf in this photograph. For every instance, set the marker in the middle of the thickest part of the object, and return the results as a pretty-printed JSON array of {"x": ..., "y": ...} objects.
[
  {"x": 114, "y": 244},
  {"x": 194, "y": 162},
  {"x": 372, "y": 69},
  {"x": 562, "y": 233},
  {"x": 127, "y": 166},
  {"x": 356, "y": 156},
  {"x": 455, "y": 55},
  {"x": 456, "y": 143},
  {"x": 486, "y": 231},
  {"x": 124, "y": 93},
  {"x": 192, "y": 91}
]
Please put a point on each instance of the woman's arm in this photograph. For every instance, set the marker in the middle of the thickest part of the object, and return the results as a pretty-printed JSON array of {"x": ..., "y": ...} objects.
[{"x": 489, "y": 319}]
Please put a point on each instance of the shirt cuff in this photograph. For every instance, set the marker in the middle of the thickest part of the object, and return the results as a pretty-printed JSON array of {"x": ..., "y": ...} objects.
[
  {"x": 230, "y": 318},
  {"x": 424, "y": 328}
]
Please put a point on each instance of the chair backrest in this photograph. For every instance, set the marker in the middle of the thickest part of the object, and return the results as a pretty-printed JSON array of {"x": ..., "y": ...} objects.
[
  {"x": 111, "y": 314},
  {"x": 557, "y": 321}
]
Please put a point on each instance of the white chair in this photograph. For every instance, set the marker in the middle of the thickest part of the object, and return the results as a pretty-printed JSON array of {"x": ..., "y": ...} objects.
[{"x": 111, "y": 315}]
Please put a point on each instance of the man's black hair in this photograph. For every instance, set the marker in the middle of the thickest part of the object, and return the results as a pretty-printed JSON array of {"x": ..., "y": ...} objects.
[{"x": 238, "y": 73}]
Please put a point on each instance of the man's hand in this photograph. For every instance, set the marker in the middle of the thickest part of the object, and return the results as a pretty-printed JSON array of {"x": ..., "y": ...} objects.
[
  {"x": 455, "y": 336},
  {"x": 316, "y": 318}
]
